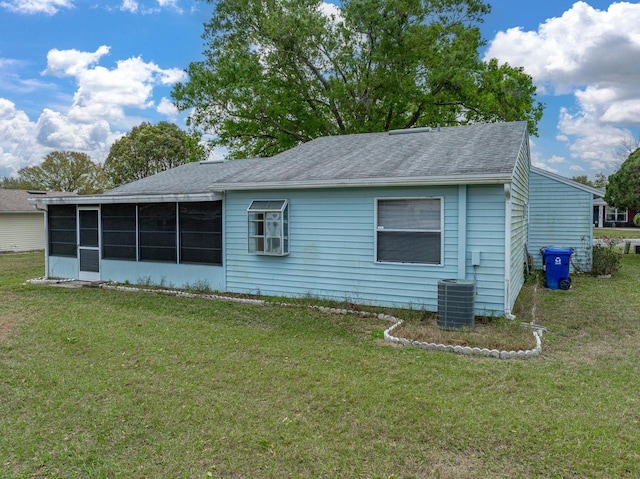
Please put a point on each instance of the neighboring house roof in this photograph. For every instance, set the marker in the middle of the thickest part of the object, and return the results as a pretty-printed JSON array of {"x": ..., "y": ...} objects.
[
  {"x": 17, "y": 201},
  {"x": 482, "y": 153},
  {"x": 596, "y": 192}
]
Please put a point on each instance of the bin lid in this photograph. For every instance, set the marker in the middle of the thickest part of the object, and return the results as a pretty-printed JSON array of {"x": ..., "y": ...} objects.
[{"x": 557, "y": 251}]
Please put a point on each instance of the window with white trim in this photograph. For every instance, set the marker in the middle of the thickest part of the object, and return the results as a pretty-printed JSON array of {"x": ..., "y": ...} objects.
[
  {"x": 268, "y": 227},
  {"x": 616, "y": 215},
  {"x": 409, "y": 230}
]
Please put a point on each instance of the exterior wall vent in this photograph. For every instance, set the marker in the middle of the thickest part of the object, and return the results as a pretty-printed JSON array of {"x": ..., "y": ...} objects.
[
  {"x": 456, "y": 302},
  {"x": 212, "y": 161},
  {"x": 406, "y": 131}
]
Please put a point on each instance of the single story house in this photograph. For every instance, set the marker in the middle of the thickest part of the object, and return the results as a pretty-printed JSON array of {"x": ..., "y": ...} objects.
[
  {"x": 375, "y": 218},
  {"x": 21, "y": 225},
  {"x": 605, "y": 216}
]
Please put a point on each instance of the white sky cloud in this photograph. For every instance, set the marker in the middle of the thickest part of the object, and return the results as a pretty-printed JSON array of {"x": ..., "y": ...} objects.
[
  {"x": 31, "y": 7},
  {"x": 73, "y": 62},
  {"x": 103, "y": 93},
  {"x": 172, "y": 4},
  {"x": 15, "y": 126},
  {"x": 330, "y": 10},
  {"x": 129, "y": 6},
  {"x": 166, "y": 107},
  {"x": 149, "y": 7},
  {"x": 51, "y": 7},
  {"x": 537, "y": 161},
  {"x": 105, "y": 100},
  {"x": 594, "y": 55}
]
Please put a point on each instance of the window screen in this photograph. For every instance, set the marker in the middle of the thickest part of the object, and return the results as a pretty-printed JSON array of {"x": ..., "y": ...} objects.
[
  {"x": 119, "y": 232},
  {"x": 409, "y": 231},
  {"x": 62, "y": 230},
  {"x": 201, "y": 232},
  {"x": 157, "y": 222}
]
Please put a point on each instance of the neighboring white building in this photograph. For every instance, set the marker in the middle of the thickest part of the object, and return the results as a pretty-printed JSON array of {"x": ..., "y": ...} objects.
[{"x": 21, "y": 224}]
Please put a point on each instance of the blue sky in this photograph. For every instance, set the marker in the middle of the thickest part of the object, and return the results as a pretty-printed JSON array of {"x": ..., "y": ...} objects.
[{"x": 78, "y": 74}]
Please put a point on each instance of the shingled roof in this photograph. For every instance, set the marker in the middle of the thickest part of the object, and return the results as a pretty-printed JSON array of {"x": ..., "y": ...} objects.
[
  {"x": 17, "y": 201},
  {"x": 483, "y": 152}
]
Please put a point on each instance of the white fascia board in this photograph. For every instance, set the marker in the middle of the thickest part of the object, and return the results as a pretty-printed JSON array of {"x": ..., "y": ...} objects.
[
  {"x": 368, "y": 182},
  {"x": 113, "y": 199}
]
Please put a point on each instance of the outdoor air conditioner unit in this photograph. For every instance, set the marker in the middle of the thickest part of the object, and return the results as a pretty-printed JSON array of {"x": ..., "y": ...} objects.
[{"x": 456, "y": 302}]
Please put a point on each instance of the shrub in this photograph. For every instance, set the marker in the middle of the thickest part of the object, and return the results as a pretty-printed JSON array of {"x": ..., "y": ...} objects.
[{"x": 606, "y": 260}]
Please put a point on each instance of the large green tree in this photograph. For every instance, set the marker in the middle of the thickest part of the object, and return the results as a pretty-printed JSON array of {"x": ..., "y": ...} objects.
[
  {"x": 281, "y": 72},
  {"x": 70, "y": 171},
  {"x": 10, "y": 183},
  {"x": 582, "y": 179},
  {"x": 623, "y": 190},
  {"x": 149, "y": 149}
]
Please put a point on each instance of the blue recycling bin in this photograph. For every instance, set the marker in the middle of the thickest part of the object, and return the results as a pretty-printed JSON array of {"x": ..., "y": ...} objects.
[{"x": 556, "y": 266}]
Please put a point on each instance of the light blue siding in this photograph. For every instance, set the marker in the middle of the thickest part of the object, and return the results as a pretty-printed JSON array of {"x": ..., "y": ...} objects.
[
  {"x": 519, "y": 193},
  {"x": 167, "y": 274},
  {"x": 332, "y": 237},
  {"x": 560, "y": 215},
  {"x": 62, "y": 267},
  {"x": 485, "y": 235}
]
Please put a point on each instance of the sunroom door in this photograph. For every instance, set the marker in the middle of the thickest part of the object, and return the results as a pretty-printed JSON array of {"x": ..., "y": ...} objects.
[{"x": 89, "y": 244}]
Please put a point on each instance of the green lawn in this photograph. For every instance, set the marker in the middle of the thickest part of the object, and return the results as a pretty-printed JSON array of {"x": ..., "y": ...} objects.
[
  {"x": 616, "y": 233},
  {"x": 104, "y": 384}
]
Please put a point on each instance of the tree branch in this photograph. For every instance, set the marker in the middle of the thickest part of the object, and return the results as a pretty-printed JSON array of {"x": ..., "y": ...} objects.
[{"x": 416, "y": 116}]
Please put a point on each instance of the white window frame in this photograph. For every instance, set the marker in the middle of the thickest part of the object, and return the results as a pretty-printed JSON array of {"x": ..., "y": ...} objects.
[
  {"x": 378, "y": 229},
  {"x": 615, "y": 212},
  {"x": 281, "y": 229}
]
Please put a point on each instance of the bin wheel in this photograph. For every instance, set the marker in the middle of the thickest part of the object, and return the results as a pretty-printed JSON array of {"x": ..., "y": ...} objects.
[{"x": 565, "y": 284}]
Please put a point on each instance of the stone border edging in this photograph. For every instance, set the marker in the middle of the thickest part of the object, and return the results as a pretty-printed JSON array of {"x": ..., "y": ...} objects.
[
  {"x": 48, "y": 281},
  {"x": 464, "y": 350}
]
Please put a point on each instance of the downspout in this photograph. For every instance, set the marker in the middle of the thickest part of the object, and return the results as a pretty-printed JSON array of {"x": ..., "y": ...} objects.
[
  {"x": 462, "y": 232},
  {"x": 507, "y": 252},
  {"x": 46, "y": 239}
]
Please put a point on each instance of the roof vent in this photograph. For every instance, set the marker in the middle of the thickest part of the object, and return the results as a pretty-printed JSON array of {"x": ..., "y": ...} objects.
[
  {"x": 212, "y": 161},
  {"x": 456, "y": 303},
  {"x": 410, "y": 130},
  {"x": 36, "y": 192}
]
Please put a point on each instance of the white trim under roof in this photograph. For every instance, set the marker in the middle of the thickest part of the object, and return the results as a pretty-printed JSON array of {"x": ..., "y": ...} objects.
[
  {"x": 365, "y": 182},
  {"x": 140, "y": 198}
]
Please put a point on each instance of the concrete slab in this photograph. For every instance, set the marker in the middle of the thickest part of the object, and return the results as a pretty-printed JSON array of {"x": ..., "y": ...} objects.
[{"x": 77, "y": 284}]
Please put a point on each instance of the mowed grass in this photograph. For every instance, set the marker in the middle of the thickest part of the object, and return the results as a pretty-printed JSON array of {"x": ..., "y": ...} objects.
[
  {"x": 633, "y": 233},
  {"x": 101, "y": 384}
]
